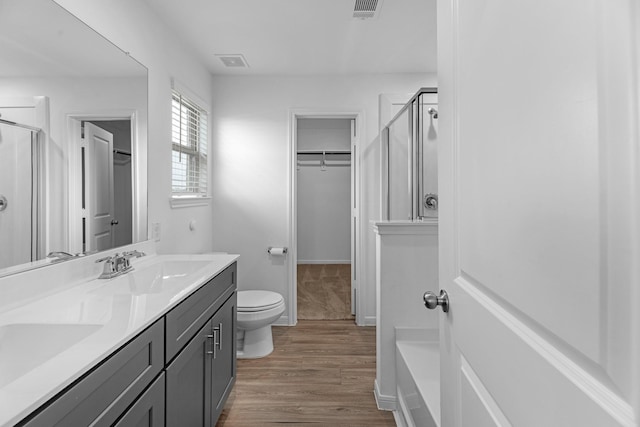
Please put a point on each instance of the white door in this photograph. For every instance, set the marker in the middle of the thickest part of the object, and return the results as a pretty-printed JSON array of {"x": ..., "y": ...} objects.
[
  {"x": 98, "y": 188},
  {"x": 539, "y": 212}
]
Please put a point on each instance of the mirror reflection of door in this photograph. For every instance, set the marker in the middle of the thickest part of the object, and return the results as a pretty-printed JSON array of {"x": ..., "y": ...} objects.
[
  {"x": 97, "y": 188},
  {"x": 107, "y": 185}
]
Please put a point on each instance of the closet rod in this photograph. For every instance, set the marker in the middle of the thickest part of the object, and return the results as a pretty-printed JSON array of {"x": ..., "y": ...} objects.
[{"x": 318, "y": 152}]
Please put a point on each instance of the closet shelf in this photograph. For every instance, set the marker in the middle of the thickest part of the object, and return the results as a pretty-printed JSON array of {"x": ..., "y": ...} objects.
[{"x": 324, "y": 158}]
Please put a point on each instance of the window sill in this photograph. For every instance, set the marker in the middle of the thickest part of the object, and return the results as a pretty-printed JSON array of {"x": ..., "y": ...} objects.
[{"x": 188, "y": 202}]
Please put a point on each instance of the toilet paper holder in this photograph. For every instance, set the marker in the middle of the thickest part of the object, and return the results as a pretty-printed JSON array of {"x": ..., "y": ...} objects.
[{"x": 277, "y": 251}]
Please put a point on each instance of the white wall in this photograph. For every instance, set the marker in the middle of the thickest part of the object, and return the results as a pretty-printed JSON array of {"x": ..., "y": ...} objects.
[
  {"x": 323, "y": 196},
  {"x": 134, "y": 27},
  {"x": 250, "y": 158}
]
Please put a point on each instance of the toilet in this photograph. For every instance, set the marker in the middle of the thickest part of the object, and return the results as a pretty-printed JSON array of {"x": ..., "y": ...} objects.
[{"x": 256, "y": 311}]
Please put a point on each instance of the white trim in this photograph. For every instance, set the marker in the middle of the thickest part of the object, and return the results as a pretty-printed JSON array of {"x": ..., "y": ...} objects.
[
  {"x": 384, "y": 402},
  {"x": 178, "y": 86},
  {"x": 325, "y": 261},
  {"x": 428, "y": 227},
  {"x": 368, "y": 321},
  {"x": 282, "y": 321},
  {"x": 188, "y": 202},
  {"x": 294, "y": 115}
]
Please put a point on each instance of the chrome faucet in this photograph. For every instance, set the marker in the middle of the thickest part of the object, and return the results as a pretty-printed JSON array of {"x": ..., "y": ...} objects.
[{"x": 118, "y": 264}]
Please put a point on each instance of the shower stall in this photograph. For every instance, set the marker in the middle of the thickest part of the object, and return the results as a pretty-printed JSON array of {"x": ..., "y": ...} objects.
[
  {"x": 20, "y": 195},
  {"x": 410, "y": 160}
]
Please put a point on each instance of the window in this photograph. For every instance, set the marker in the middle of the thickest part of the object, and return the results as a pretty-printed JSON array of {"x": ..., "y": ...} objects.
[{"x": 189, "y": 135}]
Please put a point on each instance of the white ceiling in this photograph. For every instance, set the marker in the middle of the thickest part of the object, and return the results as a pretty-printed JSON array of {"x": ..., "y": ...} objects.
[{"x": 298, "y": 37}]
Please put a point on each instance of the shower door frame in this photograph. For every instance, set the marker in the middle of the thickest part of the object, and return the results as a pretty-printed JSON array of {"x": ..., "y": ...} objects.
[{"x": 40, "y": 224}]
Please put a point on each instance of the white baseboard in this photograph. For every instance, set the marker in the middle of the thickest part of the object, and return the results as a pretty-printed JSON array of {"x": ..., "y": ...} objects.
[
  {"x": 331, "y": 261},
  {"x": 282, "y": 321},
  {"x": 384, "y": 402},
  {"x": 369, "y": 321}
]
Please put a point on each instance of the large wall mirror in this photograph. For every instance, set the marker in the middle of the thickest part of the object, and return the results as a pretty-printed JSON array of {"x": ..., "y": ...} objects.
[{"x": 73, "y": 139}]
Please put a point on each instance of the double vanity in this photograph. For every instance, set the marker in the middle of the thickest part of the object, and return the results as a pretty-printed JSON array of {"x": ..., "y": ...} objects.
[{"x": 154, "y": 346}]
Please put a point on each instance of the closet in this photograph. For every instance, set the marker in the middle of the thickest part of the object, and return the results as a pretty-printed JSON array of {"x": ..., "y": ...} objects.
[{"x": 323, "y": 202}]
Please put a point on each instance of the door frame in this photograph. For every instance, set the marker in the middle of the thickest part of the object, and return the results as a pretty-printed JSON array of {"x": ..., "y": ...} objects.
[
  {"x": 74, "y": 138},
  {"x": 292, "y": 282}
]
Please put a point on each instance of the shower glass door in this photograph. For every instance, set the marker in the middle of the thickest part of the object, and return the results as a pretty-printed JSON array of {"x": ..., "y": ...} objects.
[
  {"x": 399, "y": 176},
  {"x": 428, "y": 156},
  {"x": 410, "y": 171},
  {"x": 18, "y": 195}
]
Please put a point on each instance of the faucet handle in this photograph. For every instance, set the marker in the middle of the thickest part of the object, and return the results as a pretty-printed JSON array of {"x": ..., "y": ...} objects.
[
  {"x": 107, "y": 258},
  {"x": 133, "y": 254}
]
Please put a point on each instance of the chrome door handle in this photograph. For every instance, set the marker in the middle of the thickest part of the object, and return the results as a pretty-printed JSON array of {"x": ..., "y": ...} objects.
[
  {"x": 432, "y": 300},
  {"x": 114, "y": 222}
]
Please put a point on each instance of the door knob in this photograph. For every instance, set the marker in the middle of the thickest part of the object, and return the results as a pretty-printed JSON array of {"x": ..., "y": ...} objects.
[
  {"x": 432, "y": 300},
  {"x": 114, "y": 222}
]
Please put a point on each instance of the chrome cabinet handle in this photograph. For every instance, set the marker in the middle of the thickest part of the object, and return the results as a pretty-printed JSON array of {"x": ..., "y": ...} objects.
[
  {"x": 432, "y": 300},
  {"x": 219, "y": 336},
  {"x": 213, "y": 345},
  {"x": 217, "y": 340}
]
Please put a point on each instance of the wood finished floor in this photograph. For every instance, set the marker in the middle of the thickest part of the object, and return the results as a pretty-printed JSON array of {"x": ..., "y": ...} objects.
[
  {"x": 324, "y": 291},
  {"x": 320, "y": 372}
]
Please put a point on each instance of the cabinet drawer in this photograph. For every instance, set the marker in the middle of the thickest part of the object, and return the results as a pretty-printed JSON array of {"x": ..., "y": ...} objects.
[
  {"x": 104, "y": 394},
  {"x": 148, "y": 411},
  {"x": 184, "y": 321}
]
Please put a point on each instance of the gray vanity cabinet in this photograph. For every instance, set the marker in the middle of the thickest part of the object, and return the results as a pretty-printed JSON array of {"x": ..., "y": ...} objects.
[
  {"x": 202, "y": 375},
  {"x": 177, "y": 372},
  {"x": 148, "y": 411},
  {"x": 224, "y": 357},
  {"x": 189, "y": 383}
]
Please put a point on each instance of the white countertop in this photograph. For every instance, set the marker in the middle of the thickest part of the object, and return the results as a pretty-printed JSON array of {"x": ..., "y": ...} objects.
[{"x": 105, "y": 313}]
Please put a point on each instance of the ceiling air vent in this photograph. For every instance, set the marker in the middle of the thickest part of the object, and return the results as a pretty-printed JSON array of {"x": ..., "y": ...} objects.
[
  {"x": 366, "y": 9},
  {"x": 233, "y": 60}
]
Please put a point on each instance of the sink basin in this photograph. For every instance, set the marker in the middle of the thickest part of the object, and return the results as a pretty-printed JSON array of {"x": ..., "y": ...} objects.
[{"x": 39, "y": 342}]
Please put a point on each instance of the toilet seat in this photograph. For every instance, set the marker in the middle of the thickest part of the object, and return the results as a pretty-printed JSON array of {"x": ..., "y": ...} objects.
[{"x": 252, "y": 301}]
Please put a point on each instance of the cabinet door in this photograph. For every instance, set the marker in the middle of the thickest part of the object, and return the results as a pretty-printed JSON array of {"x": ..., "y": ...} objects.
[
  {"x": 101, "y": 397},
  {"x": 148, "y": 411},
  {"x": 189, "y": 383},
  {"x": 223, "y": 324}
]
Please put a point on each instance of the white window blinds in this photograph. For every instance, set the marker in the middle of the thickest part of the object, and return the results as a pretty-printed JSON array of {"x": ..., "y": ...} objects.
[{"x": 189, "y": 132}]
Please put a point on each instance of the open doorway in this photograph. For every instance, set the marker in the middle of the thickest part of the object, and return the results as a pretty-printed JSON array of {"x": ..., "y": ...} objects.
[
  {"x": 325, "y": 220},
  {"x": 323, "y": 217}
]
